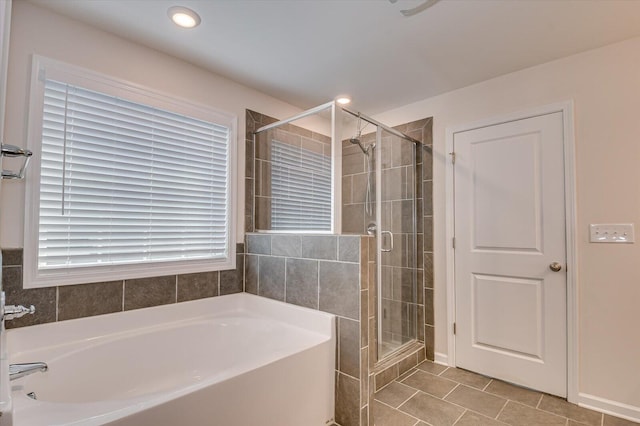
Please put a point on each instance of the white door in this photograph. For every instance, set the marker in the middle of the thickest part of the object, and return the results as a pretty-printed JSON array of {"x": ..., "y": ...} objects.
[{"x": 510, "y": 240}]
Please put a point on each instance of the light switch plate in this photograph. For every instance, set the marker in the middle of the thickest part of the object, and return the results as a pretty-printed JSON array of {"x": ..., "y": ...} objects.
[{"x": 612, "y": 233}]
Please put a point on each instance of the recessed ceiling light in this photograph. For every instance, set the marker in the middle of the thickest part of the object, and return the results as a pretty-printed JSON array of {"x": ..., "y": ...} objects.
[
  {"x": 343, "y": 100},
  {"x": 183, "y": 17}
]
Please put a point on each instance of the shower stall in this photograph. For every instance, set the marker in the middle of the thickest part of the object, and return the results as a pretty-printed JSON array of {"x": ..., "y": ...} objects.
[
  {"x": 350, "y": 175},
  {"x": 381, "y": 201}
]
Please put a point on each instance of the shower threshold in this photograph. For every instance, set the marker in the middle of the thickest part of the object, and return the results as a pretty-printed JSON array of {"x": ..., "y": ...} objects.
[{"x": 400, "y": 354}]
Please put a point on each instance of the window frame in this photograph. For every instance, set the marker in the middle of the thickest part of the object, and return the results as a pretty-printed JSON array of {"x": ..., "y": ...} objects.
[{"x": 43, "y": 68}]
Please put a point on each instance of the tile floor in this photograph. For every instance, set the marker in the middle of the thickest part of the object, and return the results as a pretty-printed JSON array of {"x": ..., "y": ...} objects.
[{"x": 432, "y": 394}]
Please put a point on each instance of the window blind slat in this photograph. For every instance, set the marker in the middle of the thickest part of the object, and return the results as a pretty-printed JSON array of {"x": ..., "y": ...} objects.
[
  {"x": 300, "y": 188},
  {"x": 125, "y": 183}
]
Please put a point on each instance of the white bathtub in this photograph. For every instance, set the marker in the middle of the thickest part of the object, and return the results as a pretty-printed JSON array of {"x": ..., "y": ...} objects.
[{"x": 237, "y": 360}]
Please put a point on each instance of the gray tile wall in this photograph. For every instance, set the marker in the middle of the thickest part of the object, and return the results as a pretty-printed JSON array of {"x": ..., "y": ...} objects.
[
  {"x": 329, "y": 273},
  {"x": 85, "y": 300},
  {"x": 310, "y": 264},
  {"x": 396, "y": 205},
  {"x": 253, "y": 121},
  {"x": 317, "y": 271},
  {"x": 258, "y": 163},
  {"x": 355, "y": 166},
  {"x": 395, "y": 165},
  {"x": 298, "y": 137},
  {"x": 400, "y": 300}
]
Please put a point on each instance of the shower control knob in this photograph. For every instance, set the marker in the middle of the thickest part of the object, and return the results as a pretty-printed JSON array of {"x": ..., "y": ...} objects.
[{"x": 555, "y": 266}]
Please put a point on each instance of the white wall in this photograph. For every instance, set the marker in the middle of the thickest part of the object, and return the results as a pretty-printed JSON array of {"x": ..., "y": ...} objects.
[
  {"x": 38, "y": 30},
  {"x": 605, "y": 86}
]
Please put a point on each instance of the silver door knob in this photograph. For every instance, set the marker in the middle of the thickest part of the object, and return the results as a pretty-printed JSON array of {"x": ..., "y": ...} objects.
[{"x": 555, "y": 266}]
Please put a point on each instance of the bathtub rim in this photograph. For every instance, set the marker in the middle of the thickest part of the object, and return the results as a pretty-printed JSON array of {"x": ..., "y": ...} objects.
[{"x": 60, "y": 333}]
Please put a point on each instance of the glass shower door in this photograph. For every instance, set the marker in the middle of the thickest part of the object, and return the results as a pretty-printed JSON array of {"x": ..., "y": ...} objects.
[{"x": 398, "y": 289}]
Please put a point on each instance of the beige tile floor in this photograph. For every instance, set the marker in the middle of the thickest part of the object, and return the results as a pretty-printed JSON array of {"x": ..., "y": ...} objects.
[{"x": 432, "y": 394}]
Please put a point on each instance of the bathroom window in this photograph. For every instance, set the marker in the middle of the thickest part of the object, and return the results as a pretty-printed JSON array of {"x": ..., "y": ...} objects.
[
  {"x": 130, "y": 183},
  {"x": 300, "y": 188}
]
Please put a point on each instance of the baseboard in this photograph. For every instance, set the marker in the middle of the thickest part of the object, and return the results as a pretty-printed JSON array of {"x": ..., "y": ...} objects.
[
  {"x": 607, "y": 406},
  {"x": 441, "y": 358}
]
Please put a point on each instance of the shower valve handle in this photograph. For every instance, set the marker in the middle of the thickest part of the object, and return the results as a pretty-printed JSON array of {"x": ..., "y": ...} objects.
[{"x": 382, "y": 233}]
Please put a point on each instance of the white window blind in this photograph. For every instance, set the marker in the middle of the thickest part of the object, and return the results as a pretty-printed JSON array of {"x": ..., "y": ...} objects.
[
  {"x": 126, "y": 183},
  {"x": 300, "y": 188}
]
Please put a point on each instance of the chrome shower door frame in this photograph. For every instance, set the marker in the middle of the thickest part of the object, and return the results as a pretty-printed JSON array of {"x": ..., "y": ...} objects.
[{"x": 379, "y": 242}]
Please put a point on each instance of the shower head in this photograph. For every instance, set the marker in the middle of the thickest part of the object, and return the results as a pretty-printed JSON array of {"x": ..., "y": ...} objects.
[{"x": 356, "y": 141}]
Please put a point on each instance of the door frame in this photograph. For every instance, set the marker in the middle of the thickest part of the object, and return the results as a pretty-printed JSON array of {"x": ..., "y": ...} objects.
[
  {"x": 6, "y": 410},
  {"x": 570, "y": 221}
]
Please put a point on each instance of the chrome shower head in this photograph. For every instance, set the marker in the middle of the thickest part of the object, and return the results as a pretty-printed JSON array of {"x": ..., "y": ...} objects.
[{"x": 356, "y": 141}]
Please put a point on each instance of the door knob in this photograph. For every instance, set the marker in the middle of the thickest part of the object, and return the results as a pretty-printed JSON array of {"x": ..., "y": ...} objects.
[{"x": 555, "y": 266}]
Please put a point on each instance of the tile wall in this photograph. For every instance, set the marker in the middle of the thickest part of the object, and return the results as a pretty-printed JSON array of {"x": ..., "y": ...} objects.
[
  {"x": 85, "y": 300},
  {"x": 397, "y": 208},
  {"x": 324, "y": 280},
  {"x": 355, "y": 167},
  {"x": 258, "y": 163},
  {"x": 294, "y": 136},
  {"x": 253, "y": 121},
  {"x": 329, "y": 273}
]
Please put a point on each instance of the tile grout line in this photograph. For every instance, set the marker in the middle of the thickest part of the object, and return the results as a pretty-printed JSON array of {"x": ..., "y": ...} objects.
[
  {"x": 463, "y": 407},
  {"x": 57, "y": 302},
  {"x": 506, "y": 401},
  {"x": 258, "y": 276},
  {"x": 451, "y": 391},
  {"x": 284, "y": 296},
  {"x": 244, "y": 268},
  {"x": 406, "y": 400},
  {"x": 484, "y": 389},
  {"x": 346, "y": 374},
  {"x": 338, "y": 345},
  {"x": 539, "y": 402},
  {"x": 400, "y": 411},
  {"x": 402, "y": 381},
  {"x": 502, "y": 409},
  {"x": 461, "y": 415}
]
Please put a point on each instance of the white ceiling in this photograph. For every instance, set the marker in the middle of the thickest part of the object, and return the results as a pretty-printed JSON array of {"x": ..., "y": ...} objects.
[{"x": 307, "y": 51}]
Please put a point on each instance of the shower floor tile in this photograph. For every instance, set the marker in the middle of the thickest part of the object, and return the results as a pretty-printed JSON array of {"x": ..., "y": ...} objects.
[{"x": 473, "y": 400}]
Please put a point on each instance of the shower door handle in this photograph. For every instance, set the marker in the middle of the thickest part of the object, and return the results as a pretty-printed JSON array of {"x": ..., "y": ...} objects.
[{"x": 382, "y": 233}]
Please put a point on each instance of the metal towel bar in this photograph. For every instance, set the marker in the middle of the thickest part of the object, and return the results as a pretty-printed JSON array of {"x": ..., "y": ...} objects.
[{"x": 13, "y": 151}]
